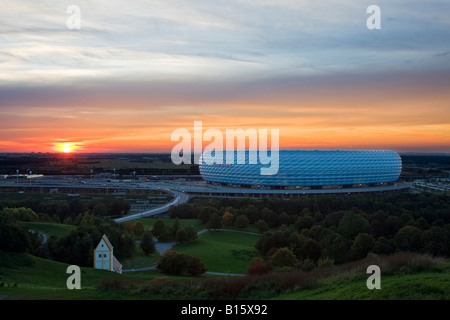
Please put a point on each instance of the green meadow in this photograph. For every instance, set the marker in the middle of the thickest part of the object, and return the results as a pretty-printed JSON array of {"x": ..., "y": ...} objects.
[{"x": 223, "y": 251}]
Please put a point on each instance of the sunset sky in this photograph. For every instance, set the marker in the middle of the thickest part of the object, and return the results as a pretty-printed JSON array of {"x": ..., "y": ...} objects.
[{"x": 137, "y": 70}]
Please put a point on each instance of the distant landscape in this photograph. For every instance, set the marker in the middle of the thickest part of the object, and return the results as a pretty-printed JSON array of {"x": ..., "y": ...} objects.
[{"x": 414, "y": 165}]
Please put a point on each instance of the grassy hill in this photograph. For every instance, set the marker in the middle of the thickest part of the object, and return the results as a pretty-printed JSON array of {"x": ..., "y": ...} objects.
[
  {"x": 414, "y": 277},
  {"x": 419, "y": 286},
  {"x": 27, "y": 277}
]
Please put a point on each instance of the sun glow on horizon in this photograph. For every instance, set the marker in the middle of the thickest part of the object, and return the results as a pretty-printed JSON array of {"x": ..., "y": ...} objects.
[{"x": 66, "y": 147}]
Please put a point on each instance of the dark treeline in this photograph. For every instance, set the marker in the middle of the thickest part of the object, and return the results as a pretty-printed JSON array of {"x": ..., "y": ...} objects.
[
  {"x": 68, "y": 211},
  {"x": 324, "y": 229},
  {"x": 75, "y": 248}
]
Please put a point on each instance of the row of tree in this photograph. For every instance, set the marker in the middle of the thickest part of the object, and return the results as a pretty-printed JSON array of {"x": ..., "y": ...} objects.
[
  {"x": 75, "y": 248},
  {"x": 175, "y": 232},
  {"x": 405, "y": 206},
  {"x": 68, "y": 211}
]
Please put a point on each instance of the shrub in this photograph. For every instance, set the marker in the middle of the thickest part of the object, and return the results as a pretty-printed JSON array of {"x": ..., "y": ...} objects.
[
  {"x": 186, "y": 234},
  {"x": 177, "y": 263},
  {"x": 325, "y": 262},
  {"x": 227, "y": 219},
  {"x": 283, "y": 257},
  {"x": 147, "y": 244},
  {"x": 215, "y": 222},
  {"x": 242, "y": 222},
  {"x": 160, "y": 230},
  {"x": 306, "y": 265},
  {"x": 194, "y": 266},
  {"x": 258, "y": 267},
  {"x": 172, "y": 262},
  {"x": 362, "y": 245},
  {"x": 262, "y": 226}
]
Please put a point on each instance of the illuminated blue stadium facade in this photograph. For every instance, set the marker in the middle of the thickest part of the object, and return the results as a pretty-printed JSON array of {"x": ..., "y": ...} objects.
[{"x": 313, "y": 169}]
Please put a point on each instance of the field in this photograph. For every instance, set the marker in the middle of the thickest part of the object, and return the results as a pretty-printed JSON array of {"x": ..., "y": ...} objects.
[{"x": 221, "y": 251}]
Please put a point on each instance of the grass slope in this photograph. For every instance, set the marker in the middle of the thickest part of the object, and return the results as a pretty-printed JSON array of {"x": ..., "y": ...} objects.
[
  {"x": 26, "y": 277},
  {"x": 29, "y": 277},
  {"x": 419, "y": 286},
  {"x": 222, "y": 251}
]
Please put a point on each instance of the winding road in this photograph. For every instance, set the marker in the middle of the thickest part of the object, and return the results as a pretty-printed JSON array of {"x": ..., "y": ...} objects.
[{"x": 179, "y": 198}]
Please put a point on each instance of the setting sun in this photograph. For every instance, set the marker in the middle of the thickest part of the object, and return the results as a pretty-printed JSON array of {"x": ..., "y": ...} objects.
[{"x": 66, "y": 147}]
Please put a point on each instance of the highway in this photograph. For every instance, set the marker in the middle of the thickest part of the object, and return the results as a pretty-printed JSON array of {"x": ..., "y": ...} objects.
[{"x": 179, "y": 198}]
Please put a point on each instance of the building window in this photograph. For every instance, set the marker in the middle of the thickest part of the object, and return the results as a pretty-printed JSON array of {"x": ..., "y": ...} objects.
[
  {"x": 104, "y": 255},
  {"x": 99, "y": 255}
]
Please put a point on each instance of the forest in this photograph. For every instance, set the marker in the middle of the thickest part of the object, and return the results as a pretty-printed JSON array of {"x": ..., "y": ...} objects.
[{"x": 298, "y": 234}]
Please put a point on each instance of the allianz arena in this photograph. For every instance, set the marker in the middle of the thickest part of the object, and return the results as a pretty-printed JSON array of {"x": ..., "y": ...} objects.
[{"x": 302, "y": 169}]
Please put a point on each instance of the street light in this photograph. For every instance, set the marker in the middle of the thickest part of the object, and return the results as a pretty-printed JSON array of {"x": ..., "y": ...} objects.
[
  {"x": 17, "y": 176},
  {"x": 114, "y": 174},
  {"x": 134, "y": 174}
]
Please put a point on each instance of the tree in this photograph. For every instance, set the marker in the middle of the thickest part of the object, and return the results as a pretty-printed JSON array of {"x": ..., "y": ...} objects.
[
  {"x": 206, "y": 212},
  {"x": 194, "y": 266},
  {"x": 384, "y": 246},
  {"x": 22, "y": 214},
  {"x": 175, "y": 227},
  {"x": 270, "y": 217},
  {"x": 251, "y": 212},
  {"x": 227, "y": 219},
  {"x": 191, "y": 233},
  {"x": 177, "y": 263},
  {"x": 362, "y": 245},
  {"x": 215, "y": 222},
  {"x": 262, "y": 226},
  {"x": 159, "y": 229},
  {"x": 138, "y": 229},
  {"x": 13, "y": 238},
  {"x": 119, "y": 207},
  {"x": 436, "y": 241},
  {"x": 304, "y": 222},
  {"x": 242, "y": 222},
  {"x": 312, "y": 250},
  {"x": 408, "y": 239},
  {"x": 186, "y": 234},
  {"x": 147, "y": 244},
  {"x": 352, "y": 224},
  {"x": 334, "y": 246},
  {"x": 286, "y": 219},
  {"x": 258, "y": 266},
  {"x": 77, "y": 206},
  {"x": 171, "y": 262},
  {"x": 283, "y": 257},
  {"x": 126, "y": 247},
  {"x": 100, "y": 209}
]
